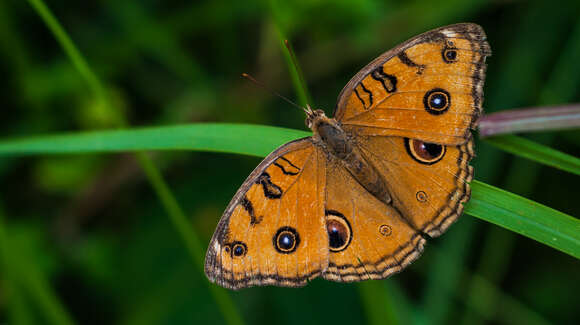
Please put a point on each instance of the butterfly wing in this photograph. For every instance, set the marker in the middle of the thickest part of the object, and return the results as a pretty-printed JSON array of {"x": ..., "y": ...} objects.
[
  {"x": 368, "y": 239},
  {"x": 301, "y": 213},
  {"x": 429, "y": 183},
  {"x": 409, "y": 112},
  {"x": 428, "y": 88},
  {"x": 272, "y": 232}
]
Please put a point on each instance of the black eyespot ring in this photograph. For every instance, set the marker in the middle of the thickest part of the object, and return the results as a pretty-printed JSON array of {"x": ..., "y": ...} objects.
[
  {"x": 286, "y": 240},
  {"x": 421, "y": 196},
  {"x": 339, "y": 231},
  {"x": 449, "y": 52},
  {"x": 437, "y": 101},
  {"x": 236, "y": 249},
  {"x": 239, "y": 250},
  {"x": 385, "y": 230},
  {"x": 450, "y": 55},
  {"x": 424, "y": 152}
]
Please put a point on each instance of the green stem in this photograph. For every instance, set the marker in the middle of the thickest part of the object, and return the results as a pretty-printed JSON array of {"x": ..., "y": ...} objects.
[
  {"x": 70, "y": 49},
  {"x": 296, "y": 74},
  {"x": 169, "y": 202},
  {"x": 189, "y": 236}
]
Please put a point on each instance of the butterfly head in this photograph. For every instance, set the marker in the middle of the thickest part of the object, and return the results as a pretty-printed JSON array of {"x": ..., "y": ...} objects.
[{"x": 314, "y": 117}]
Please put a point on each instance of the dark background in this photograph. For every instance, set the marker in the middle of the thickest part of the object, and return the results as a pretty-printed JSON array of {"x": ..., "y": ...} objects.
[{"x": 90, "y": 229}]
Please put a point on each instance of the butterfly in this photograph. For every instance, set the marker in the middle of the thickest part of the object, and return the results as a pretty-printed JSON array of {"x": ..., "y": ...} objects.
[{"x": 358, "y": 199}]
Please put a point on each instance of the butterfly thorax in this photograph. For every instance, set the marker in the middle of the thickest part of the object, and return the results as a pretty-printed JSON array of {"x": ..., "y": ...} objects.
[
  {"x": 337, "y": 144},
  {"x": 329, "y": 135}
]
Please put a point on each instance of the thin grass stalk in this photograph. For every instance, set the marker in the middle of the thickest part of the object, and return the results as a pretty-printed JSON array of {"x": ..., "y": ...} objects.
[
  {"x": 71, "y": 50},
  {"x": 296, "y": 74},
  {"x": 183, "y": 226},
  {"x": 174, "y": 211},
  {"x": 375, "y": 300}
]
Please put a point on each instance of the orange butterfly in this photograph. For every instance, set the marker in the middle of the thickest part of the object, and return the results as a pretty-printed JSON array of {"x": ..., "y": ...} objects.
[{"x": 358, "y": 198}]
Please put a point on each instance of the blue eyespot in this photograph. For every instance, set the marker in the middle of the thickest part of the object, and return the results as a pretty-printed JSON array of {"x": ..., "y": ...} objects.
[
  {"x": 286, "y": 240},
  {"x": 437, "y": 101}
]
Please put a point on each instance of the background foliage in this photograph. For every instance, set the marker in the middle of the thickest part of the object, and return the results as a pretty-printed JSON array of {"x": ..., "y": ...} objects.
[{"x": 90, "y": 243}]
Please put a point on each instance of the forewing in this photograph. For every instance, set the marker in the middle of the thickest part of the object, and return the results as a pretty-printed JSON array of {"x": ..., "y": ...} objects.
[
  {"x": 273, "y": 231},
  {"x": 428, "y": 88}
]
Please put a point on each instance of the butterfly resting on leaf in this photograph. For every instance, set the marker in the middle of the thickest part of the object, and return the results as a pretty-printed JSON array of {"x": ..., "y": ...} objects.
[{"x": 358, "y": 199}]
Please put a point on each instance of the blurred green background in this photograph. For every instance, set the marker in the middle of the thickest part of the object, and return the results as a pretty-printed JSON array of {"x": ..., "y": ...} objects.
[{"x": 91, "y": 240}]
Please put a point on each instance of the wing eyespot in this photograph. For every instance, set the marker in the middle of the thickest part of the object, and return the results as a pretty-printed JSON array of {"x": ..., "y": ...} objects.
[
  {"x": 421, "y": 196},
  {"x": 239, "y": 249},
  {"x": 449, "y": 52},
  {"x": 286, "y": 240},
  {"x": 437, "y": 101},
  {"x": 339, "y": 231},
  {"x": 236, "y": 249},
  {"x": 424, "y": 153},
  {"x": 385, "y": 230}
]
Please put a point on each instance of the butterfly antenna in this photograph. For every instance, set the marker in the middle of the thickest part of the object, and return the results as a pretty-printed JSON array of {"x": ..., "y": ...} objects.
[
  {"x": 308, "y": 110},
  {"x": 300, "y": 75}
]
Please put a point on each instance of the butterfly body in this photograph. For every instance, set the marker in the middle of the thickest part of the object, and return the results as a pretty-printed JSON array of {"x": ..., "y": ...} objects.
[
  {"x": 339, "y": 145},
  {"x": 357, "y": 199}
]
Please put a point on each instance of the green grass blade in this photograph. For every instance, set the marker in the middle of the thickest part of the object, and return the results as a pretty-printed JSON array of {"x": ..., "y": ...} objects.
[
  {"x": 69, "y": 47},
  {"x": 525, "y": 217},
  {"x": 254, "y": 140},
  {"x": 174, "y": 211},
  {"x": 534, "y": 151},
  {"x": 508, "y": 210},
  {"x": 499, "y": 245},
  {"x": 192, "y": 242},
  {"x": 294, "y": 70}
]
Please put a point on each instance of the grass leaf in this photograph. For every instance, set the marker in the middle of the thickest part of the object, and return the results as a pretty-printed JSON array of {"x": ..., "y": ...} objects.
[
  {"x": 534, "y": 151},
  {"x": 526, "y": 217},
  {"x": 176, "y": 214},
  {"x": 494, "y": 205},
  {"x": 253, "y": 140}
]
